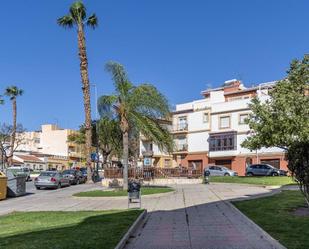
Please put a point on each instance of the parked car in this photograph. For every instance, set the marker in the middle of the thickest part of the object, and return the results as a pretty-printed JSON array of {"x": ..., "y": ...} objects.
[
  {"x": 218, "y": 170},
  {"x": 51, "y": 179},
  {"x": 264, "y": 170},
  {"x": 75, "y": 176},
  {"x": 84, "y": 172}
]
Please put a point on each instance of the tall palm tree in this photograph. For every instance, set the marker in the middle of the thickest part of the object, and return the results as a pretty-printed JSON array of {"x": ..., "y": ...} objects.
[
  {"x": 13, "y": 92},
  {"x": 136, "y": 107},
  {"x": 77, "y": 18}
]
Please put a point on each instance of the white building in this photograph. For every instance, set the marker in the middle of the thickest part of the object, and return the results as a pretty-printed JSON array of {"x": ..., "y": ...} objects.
[{"x": 211, "y": 130}]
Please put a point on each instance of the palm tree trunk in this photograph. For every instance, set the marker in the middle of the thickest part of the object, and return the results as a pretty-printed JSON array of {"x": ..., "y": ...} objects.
[
  {"x": 13, "y": 131},
  {"x": 125, "y": 141},
  {"x": 86, "y": 95}
]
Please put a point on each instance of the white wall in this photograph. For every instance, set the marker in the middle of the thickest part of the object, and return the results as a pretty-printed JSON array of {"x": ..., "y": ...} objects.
[{"x": 198, "y": 142}]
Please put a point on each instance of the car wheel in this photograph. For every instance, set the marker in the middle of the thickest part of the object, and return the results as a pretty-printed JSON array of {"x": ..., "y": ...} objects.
[
  {"x": 38, "y": 188},
  {"x": 226, "y": 174},
  {"x": 275, "y": 174},
  {"x": 249, "y": 174}
]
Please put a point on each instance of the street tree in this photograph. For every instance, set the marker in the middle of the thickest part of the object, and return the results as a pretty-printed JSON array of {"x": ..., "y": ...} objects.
[
  {"x": 6, "y": 149},
  {"x": 283, "y": 121},
  {"x": 77, "y": 18},
  {"x": 135, "y": 107},
  {"x": 106, "y": 135},
  {"x": 13, "y": 92}
]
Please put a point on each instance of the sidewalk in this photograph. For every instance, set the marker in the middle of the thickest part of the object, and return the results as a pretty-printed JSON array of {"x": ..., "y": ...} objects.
[{"x": 197, "y": 217}]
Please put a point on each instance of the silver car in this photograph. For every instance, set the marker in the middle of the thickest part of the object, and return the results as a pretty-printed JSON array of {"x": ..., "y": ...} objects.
[
  {"x": 51, "y": 179},
  {"x": 217, "y": 170}
]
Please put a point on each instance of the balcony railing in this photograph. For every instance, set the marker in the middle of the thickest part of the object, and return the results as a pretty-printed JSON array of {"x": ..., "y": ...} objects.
[
  {"x": 181, "y": 147},
  {"x": 180, "y": 127}
]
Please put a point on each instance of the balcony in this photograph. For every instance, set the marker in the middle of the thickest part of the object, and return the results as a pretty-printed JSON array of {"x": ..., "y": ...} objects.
[
  {"x": 180, "y": 128},
  {"x": 181, "y": 149}
]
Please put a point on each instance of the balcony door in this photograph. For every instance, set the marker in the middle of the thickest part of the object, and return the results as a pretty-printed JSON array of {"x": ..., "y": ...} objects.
[{"x": 182, "y": 123}]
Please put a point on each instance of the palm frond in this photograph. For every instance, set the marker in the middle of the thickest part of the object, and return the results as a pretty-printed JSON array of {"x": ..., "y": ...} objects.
[
  {"x": 66, "y": 21},
  {"x": 78, "y": 11},
  {"x": 13, "y": 91},
  {"x": 147, "y": 100},
  {"x": 152, "y": 129},
  {"x": 120, "y": 78},
  {"x": 106, "y": 106},
  {"x": 92, "y": 21}
]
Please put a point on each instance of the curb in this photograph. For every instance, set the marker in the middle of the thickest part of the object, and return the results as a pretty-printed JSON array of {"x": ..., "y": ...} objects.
[
  {"x": 131, "y": 230},
  {"x": 257, "y": 227}
]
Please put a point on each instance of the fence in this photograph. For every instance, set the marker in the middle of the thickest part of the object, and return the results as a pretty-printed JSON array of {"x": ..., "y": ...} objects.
[{"x": 152, "y": 172}]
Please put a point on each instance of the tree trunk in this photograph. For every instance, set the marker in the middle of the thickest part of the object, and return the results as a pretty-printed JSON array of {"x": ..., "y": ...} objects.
[
  {"x": 13, "y": 132},
  {"x": 86, "y": 95},
  {"x": 125, "y": 159}
]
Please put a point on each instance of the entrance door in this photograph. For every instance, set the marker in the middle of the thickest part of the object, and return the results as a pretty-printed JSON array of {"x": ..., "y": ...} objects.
[{"x": 196, "y": 164}]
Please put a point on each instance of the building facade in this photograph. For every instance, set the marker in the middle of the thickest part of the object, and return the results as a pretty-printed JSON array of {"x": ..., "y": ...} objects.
[
  {"x": 212, "y": 129},
  {"x": 52, "y": 143}
]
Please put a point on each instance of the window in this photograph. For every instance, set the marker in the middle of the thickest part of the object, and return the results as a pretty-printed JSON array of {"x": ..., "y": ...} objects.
[
  {"x": 242, "y": 118},
  {"x": 206, "y": 117},
  {"x": 182, "y": 123},
  {"x": 167, "y": 162},
  {"x": 225, "y": 122},
  {"x": 223, "y": 141}
]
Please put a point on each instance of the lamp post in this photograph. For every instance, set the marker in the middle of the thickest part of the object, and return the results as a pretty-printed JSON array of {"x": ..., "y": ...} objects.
[{"x": 96, "y": 128}]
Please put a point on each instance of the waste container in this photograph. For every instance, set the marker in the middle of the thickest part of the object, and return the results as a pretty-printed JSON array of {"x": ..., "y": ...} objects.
[
  {"x": 3, "y": 185},
  {"x": 16, "y": 184},
  {"x": 134, "y": 193},
  {"x": 206, "y": 176}
]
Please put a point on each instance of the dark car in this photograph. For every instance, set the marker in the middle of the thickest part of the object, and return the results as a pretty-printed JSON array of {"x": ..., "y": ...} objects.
[
  {"x": 84, "y": 172},
  {"x": 75, "y": 176},
  {"x": 264, "y": 170}
]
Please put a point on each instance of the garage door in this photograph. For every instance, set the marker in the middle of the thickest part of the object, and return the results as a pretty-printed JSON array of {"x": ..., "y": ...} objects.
[{"x": 272, "y": 162}]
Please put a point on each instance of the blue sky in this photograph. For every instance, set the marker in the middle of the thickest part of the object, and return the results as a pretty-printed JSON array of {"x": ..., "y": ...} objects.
[{"x": 180, "y": 46}]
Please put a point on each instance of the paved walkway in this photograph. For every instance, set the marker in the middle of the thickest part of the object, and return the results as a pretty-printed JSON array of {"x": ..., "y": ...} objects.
[
  {"x": 194, "y": 216},
  {"x": 197, "y": 216}
]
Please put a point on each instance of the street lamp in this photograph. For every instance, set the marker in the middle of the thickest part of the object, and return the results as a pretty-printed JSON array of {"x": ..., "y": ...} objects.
[{"x": 96, "y": 128}]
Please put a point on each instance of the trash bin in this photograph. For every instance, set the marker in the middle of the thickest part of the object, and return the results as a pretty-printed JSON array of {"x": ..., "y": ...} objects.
[
  {"x": 3, "y": 185},
  {"x": 16, "y": 184},
  {"x": 206, "y": 176},
  {"x": 134, "y": 193}
]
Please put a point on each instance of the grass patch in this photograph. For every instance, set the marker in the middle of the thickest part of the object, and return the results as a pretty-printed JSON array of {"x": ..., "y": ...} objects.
[
  {"x": 65, "y": 230},
  {"x": 260, "y": 180},
  {"x": 120, "y": 192},
  {"x": 274, "y": 215}
]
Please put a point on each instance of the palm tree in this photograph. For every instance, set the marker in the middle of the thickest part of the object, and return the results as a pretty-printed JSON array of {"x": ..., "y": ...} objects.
[
  {"x": 1, "y": 100},
  {"x": 77, "y": 18},
  {"x": 13, "y": 92},
  {"x": 138, "y": 108}
]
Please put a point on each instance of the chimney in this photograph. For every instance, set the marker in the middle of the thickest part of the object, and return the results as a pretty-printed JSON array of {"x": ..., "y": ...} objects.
[{"x": 232, "y": 85}]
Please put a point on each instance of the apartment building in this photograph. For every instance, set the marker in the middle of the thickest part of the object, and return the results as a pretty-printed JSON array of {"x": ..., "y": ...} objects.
[
  {"x": 211, "y": 130},
  {"x": 151, "y": 155},
  {"x": 52, "y": 143}
]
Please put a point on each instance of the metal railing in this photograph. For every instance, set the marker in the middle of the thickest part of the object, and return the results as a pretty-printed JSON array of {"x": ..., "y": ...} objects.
[{"x": 148, "y": 173}]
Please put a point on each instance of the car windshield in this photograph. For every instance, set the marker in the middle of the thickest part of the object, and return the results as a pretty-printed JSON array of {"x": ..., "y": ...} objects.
[
  {"x": 68, "y": 172},
  {"x": 50, "y": 174}
]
